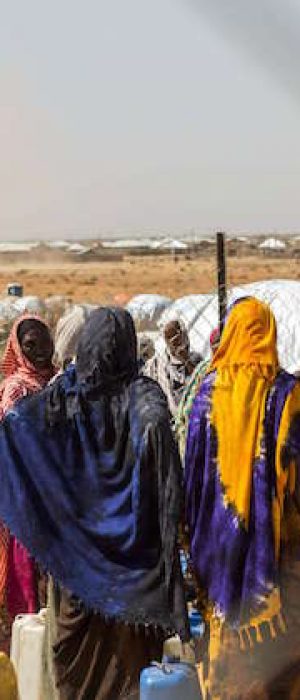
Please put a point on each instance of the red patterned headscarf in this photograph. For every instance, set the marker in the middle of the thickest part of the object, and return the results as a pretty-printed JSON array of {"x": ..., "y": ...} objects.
[{"x": 20, "y": 376}]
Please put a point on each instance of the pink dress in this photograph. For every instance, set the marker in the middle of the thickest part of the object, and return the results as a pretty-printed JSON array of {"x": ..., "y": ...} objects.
[{"x": 18, "y": 575}]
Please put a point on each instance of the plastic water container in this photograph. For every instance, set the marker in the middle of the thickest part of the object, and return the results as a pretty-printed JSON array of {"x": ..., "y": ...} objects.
[
  {"x": 175, "y": 650},
  {"x": 183, "y": 562},
  {"x": 197, "y": 628},
  {"x": 172, "y": 681},
  {"x": 27, "y": 646},
  {"x": 190, "y": 652},
  {"x": 15, "y": 289},
  {"x": 197, "y": 625}
]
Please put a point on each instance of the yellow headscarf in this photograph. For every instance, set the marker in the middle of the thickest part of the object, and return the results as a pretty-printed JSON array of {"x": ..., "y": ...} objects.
[
  {"x": 246, "y": 363},
  {"x": 246, "y": 366}
]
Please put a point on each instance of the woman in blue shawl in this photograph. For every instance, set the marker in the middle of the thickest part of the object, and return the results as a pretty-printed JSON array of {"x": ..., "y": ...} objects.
[{"x": 91, "y": 484}]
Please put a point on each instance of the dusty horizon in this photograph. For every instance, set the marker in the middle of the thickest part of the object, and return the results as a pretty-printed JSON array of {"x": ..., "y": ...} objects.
[{"x": 165, "y": 120}]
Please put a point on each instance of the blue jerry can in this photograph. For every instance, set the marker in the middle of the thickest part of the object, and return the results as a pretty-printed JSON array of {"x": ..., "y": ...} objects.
[
  {"x": 15, "y": 290},
  {"x": 183, "y": 562},
  {"x": 170, "y": 681},
  {"x": 197, "y": 625}
]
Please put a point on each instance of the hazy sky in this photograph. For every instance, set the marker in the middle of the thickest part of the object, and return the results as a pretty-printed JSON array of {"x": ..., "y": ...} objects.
[{"x": 141, "y": 115}]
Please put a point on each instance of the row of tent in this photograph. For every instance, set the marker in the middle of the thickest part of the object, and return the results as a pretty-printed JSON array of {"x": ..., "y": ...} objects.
[
  {"x": 179, "y": 245},
  {"x": 65, "y": 246},
  {"x": 157, "y": 245},
  {"x": 199, "y": 312}
]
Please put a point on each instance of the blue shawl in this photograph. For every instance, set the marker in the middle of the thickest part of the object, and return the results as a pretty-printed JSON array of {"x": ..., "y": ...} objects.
[{"x": 91, "y": 481}]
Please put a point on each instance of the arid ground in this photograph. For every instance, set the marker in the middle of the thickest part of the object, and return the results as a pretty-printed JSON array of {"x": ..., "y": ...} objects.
[{"x": 103, "y": 282}]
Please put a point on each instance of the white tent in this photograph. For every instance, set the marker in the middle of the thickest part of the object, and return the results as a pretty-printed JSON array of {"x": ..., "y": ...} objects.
[
  {"x": 30, "y": 304},
  {"x": 272, "y": 244},
  {"x": 146, "y": 310},
  {"x": 78, "y": 248},
  {"x": 200, "y": 315},
  {"x": 128, "y": 243},
  {"x": 169, "y": 244}
]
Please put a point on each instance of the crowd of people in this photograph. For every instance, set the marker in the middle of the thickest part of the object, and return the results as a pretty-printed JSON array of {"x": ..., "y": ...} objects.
[{"x": 113, "y": 459}]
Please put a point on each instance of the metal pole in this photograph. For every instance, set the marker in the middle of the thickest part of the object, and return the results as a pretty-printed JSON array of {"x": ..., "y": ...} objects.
[{"x": 222, "y": 285}]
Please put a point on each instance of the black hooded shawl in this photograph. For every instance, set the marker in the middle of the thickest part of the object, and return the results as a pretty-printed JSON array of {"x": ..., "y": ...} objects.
[{"x": 91, "y": 481}]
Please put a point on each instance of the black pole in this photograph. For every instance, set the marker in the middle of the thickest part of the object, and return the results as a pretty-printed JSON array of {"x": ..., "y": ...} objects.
[{"x": 222, "y": 287}]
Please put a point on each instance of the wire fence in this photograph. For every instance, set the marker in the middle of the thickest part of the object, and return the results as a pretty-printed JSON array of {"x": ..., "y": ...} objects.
[
  {"x": 269, "y": 275},
  {"x": 161, "y": 285}
]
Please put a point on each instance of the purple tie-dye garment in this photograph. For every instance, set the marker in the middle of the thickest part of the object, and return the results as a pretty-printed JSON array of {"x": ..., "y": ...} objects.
[{"x": 236, "y": 567}]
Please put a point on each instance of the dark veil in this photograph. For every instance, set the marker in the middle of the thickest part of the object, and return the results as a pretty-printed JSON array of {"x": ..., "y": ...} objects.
[{"x": 91, "y": 481}]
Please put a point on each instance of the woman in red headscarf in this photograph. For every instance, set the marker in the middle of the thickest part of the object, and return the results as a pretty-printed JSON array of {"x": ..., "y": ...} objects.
[{"x": 27, "y": 368}]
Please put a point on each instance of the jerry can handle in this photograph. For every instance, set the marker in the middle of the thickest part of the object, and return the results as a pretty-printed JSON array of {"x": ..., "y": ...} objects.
[{"x": 164, "y": 667}]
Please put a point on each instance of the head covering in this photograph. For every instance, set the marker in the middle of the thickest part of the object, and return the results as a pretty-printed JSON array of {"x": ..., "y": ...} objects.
[
  {"x": 68, "y": 331},
  {"x": 20, "y": 375},
  {"x": 98, "y": 450},
  {"x": 246, "y": 362},
  {"x": 107, "y": 349},
  {"x": 20, "y": 379},
  {"x": 234, "y": 476},
  {"x": 249, "y": 338},
  {"x": 176, "y": 338},
  {"x": 173, "y": 365}
]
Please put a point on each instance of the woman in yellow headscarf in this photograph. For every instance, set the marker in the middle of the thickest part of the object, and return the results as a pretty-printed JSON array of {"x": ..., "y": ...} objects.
[{"x": 242, "y": 510}]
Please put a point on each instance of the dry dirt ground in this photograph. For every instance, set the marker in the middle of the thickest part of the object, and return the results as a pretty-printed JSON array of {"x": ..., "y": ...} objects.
[{"x": 105, "y": 282}]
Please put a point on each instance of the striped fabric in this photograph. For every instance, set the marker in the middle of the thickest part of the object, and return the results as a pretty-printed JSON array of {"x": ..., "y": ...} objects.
[
  {"x": 4, "y": 542},
  {"x": 20, "y": 379}
]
